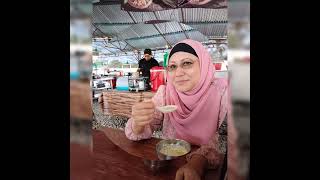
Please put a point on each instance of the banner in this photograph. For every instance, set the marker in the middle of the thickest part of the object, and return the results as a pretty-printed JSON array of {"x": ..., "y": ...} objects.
[{"x": 158, "y": 5}]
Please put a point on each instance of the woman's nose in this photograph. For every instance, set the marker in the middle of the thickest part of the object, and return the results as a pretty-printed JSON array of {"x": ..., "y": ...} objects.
[{"x": 179, "y": 71}]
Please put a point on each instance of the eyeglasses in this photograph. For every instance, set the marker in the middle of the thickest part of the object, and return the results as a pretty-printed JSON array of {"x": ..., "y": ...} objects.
[{"x": 186, "y": 64}]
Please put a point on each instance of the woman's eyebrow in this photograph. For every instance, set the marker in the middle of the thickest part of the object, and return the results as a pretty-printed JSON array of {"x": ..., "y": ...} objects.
[
  {"x": 185, "y": 59},
  {"x": 182, "y": 60}
]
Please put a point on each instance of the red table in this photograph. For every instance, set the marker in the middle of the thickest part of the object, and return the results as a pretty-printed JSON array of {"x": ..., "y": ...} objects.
[{"x": 116, "y": 157}]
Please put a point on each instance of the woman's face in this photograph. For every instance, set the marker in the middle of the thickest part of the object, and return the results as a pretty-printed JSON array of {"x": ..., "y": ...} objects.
[{"x": 184, "y": 71}]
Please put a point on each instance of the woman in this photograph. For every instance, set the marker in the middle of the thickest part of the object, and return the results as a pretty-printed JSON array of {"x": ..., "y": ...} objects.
[{"x": 202, "y": 109}]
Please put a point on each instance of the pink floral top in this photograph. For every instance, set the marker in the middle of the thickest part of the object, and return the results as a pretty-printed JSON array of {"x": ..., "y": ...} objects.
[{"x": 216, "y": 148}]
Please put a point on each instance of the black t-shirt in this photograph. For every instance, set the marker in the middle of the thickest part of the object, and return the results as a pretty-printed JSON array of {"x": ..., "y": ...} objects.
[{"x": 147, "y": 65}]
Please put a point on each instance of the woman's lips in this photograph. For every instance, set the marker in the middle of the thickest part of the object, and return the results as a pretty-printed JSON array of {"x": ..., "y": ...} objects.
[{"x": 181, "y": 82}]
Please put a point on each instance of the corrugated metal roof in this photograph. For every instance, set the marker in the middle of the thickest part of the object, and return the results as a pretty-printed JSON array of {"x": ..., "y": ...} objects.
[
  {"x": 171, "y": 14},
  {"x": 113, "y": 30},
  {"x": 140, "y": 17},
  {"x": 186, "y": 27},
  {"x": 129, "y": 26},
  {"x": 95, "y": 32},
  {"x": 174, "y": 38},
  {"x": 195, "y": 35},
  {"x": 128, "y": 33},
  {"x": 203, "y": 15},
  {"x": 139, "y": 30},
  {"x": 145, "y": 29},
  {"x": 114, "y": 14},
  {"x": 169, "y": 27},
  {"x": 154, "y": 42},
  {"x": 211, "y": 29},
  {"x": 98, "y": 16}
]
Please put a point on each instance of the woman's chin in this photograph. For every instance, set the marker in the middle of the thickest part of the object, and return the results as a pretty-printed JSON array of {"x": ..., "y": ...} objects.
[{"x": 183, "y": 88}]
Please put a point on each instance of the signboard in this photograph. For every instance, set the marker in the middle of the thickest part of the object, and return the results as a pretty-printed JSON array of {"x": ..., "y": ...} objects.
[{"x": 158, "y": 5}]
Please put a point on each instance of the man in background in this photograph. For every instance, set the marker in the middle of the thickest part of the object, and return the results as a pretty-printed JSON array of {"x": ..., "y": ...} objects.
[{"x": 146, "y": 64}]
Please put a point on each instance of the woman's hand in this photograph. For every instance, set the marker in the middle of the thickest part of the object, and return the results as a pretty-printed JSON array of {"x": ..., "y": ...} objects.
[
  {"x": 193, "y": 170},
  {"x": 142, "y": 115}
]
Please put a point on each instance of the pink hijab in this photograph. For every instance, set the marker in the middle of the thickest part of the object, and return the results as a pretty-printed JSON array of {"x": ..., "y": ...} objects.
[{"x": 196, "y": 119}]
